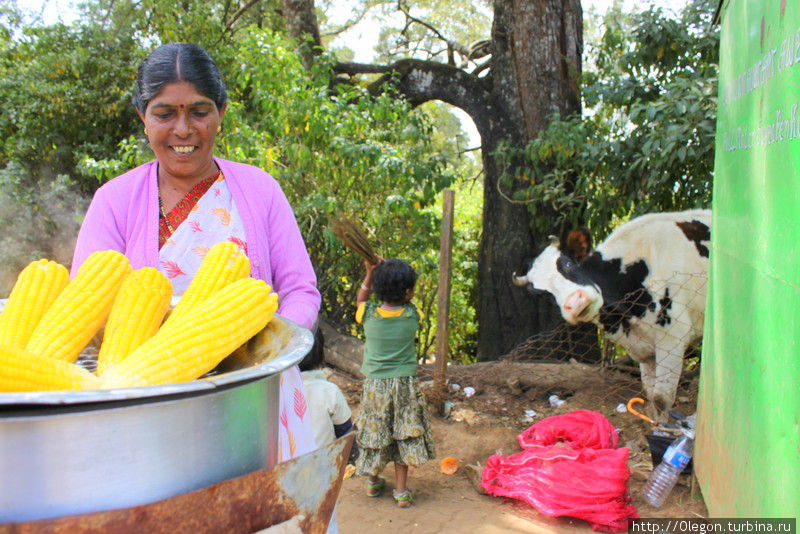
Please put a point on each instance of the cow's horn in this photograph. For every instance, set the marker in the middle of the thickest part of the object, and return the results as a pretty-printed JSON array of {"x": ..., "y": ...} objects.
[
  {"x": 554, "y": 241},
  {"x": 520, "y": 281}
]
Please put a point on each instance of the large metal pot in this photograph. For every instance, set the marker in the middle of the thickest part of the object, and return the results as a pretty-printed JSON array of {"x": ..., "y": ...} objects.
[{"x": 64, "y": 453}]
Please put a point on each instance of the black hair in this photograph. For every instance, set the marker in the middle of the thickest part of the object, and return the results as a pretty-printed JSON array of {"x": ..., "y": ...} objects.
[
  {"x": 316, "y": 355},
  {"x": 392, "y": 279},
  {"x": 178, "y": 62}
]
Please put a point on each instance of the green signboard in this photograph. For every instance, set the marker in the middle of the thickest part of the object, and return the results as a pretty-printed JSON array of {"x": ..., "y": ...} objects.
[{"x": 748, "y": 446}]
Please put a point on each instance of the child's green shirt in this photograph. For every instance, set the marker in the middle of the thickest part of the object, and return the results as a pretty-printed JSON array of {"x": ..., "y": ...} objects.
[{"x": 389, "y": 349}]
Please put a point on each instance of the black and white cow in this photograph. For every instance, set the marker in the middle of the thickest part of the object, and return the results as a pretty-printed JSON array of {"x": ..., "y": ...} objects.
[{"x": 645, "y": 286}]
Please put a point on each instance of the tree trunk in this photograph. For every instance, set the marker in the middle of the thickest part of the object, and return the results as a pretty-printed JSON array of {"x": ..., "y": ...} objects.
[
  {"x": 341, "y": 350},
  {"x": 507, "y": 314},
  {"x": 301, "y": 22},
  {"x": 537, "y": 62}
]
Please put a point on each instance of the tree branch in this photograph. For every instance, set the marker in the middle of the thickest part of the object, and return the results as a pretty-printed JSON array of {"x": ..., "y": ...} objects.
[
  {"x": 228, "y": 30},
  {"x": 361, "y": 68},
  {"x": 451, "y": 45},
  {"x": 482, "y": 67},
  {"x": 108, "y": 11},
  {"x": 421, "y": 81},
  {"x": 418, "y": 80},
  {"x": 226, "y": 10},
  {"x": 242, "y": 10},
  {"x": 480, "y": 49},
  {"x": 349, "y": 23}
]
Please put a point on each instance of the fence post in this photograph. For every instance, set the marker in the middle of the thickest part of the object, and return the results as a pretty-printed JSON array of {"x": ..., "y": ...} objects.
[{"x": 443, "y": 295}]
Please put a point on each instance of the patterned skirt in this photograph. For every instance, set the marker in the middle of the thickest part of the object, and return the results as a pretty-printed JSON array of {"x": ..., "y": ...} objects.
[{"x": 392, "y": 425}]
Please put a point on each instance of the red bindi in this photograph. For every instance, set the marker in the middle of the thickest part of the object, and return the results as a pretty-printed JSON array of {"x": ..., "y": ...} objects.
[{"x": 182, "y": 106}]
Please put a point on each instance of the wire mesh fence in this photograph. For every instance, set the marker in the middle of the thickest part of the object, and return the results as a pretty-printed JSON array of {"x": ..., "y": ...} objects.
[{"x": 665, "y": 317}]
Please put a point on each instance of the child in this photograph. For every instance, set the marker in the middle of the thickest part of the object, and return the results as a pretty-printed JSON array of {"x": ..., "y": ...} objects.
[
  {"x": 393, "y": 422},
  {"x": 330, "y": 414}
]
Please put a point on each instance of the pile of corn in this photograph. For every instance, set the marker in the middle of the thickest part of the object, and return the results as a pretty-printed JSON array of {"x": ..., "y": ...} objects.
[{"x": 48, "y": 320}]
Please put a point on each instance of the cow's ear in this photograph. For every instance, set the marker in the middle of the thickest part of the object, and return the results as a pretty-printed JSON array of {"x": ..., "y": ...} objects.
[
  {"x": 554, "y": 241},
  {"x": 579, "y": 243}
]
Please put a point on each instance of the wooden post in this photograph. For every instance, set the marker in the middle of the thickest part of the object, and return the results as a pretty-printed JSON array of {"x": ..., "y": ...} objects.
[{"x": 443, "y": 296}]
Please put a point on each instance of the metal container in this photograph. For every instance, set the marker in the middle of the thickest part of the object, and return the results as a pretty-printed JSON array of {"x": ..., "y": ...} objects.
[{"x": 73, "y": 452}]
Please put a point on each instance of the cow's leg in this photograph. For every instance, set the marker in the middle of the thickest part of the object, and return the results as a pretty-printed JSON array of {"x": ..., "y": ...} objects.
[
  {"x": 669, "y": 365},
  {"x": 648, "y": 370}
]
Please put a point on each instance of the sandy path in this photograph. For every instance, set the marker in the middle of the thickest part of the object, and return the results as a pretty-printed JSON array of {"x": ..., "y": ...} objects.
[
  {"x": 446, "y": 504},
  {"x": 450, "y": 504}
]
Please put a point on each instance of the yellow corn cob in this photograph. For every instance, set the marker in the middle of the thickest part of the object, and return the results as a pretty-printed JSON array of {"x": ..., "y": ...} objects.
[
  {"x": 36, "y": 288},
  {"x": 223, "y": 263},
  {"x": 204, "y": 336},
  {"x": 136, "y": 315},
  {"x": 81, "y": 308},
  {"x": 23, "y": 371}
]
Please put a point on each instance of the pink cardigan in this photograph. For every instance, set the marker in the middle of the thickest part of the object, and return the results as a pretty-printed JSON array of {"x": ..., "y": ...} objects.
[{"x": 123, "y": 216}]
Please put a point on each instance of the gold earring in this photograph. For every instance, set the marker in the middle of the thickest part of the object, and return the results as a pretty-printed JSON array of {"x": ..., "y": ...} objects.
[
  {"x": 219, "y": 128},
  {"x": 145, "y": 131}
]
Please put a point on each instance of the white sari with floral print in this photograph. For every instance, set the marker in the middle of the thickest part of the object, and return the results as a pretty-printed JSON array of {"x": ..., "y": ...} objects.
[{"x": 214, "y": 219}]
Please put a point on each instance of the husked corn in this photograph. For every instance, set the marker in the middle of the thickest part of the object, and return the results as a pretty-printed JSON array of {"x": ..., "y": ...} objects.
[
  {"x": 23, "y": 371},
  {"x": 223, "y": 263},
  {"x": 36, "y": 288},
  {"x": 203, "y": 337},
  {"x": 136, "y": 315},
  {"x": 81, "y": 308}
]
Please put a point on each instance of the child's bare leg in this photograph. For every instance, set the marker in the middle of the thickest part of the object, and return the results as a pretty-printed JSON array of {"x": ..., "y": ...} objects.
[
  {"x": 402, "y": 494},
  {"x": 374, "y": 486},
  {"x": 401, "y": 477}
]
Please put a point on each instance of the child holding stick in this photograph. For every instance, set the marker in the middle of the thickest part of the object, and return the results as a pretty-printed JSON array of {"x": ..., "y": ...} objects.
[{"x": 393, "y": 422}]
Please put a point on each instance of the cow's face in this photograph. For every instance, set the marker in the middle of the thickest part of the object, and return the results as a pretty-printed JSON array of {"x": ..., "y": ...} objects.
[{"x": 556, "y": 272}]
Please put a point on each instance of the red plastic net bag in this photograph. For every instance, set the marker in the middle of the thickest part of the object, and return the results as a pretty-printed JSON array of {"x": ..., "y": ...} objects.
[
  {"x": 568, "y": 468},
  {"x": 580, "y": 429}
]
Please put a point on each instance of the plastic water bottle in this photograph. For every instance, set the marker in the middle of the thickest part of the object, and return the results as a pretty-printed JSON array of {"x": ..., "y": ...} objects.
[{"x": 665, "y": 476}]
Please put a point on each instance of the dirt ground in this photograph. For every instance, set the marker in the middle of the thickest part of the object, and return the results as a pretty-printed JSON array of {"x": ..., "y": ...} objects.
[{"x": 488, "y": 423}]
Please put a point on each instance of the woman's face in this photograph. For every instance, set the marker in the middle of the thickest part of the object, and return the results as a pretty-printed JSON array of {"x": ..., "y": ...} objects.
[{"x": 181, "y": 125}]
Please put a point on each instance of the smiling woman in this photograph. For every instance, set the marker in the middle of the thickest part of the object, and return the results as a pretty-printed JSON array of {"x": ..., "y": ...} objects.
[
  {"x": 168, "y": 213},
  {"x": 180, "y": 98},
  {"x": 181, "y": 126}
]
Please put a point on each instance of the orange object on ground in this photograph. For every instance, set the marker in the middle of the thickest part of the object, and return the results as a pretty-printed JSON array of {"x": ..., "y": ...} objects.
[
  {"x": 637, "y": 400},
  {"x": 449, "y": 465}
]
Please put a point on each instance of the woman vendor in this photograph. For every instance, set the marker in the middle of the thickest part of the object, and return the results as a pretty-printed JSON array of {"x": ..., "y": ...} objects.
[{"x": 165, "y": 213}]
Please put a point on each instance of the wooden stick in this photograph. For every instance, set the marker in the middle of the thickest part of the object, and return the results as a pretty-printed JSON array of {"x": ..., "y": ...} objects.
[{"x": 443, "y": 298}]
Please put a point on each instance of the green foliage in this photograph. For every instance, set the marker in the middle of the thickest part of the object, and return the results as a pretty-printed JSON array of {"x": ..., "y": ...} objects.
[
  {"x": 646, "y": 141},
  {"x": 397, "y": 41},
  {"x": 401, "y": 37},
  {"x": 66, "y": 90},
  {"x": 209, "y": 23},
  {"x": 343, "y": 153},
  {"x": 65, "y": 94},
  {"x": 448, "y": 139},
  {"x": 68, "y": 126},
  {"x": 334, "y": 153},
  {"x": 467, "y": 224}
]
